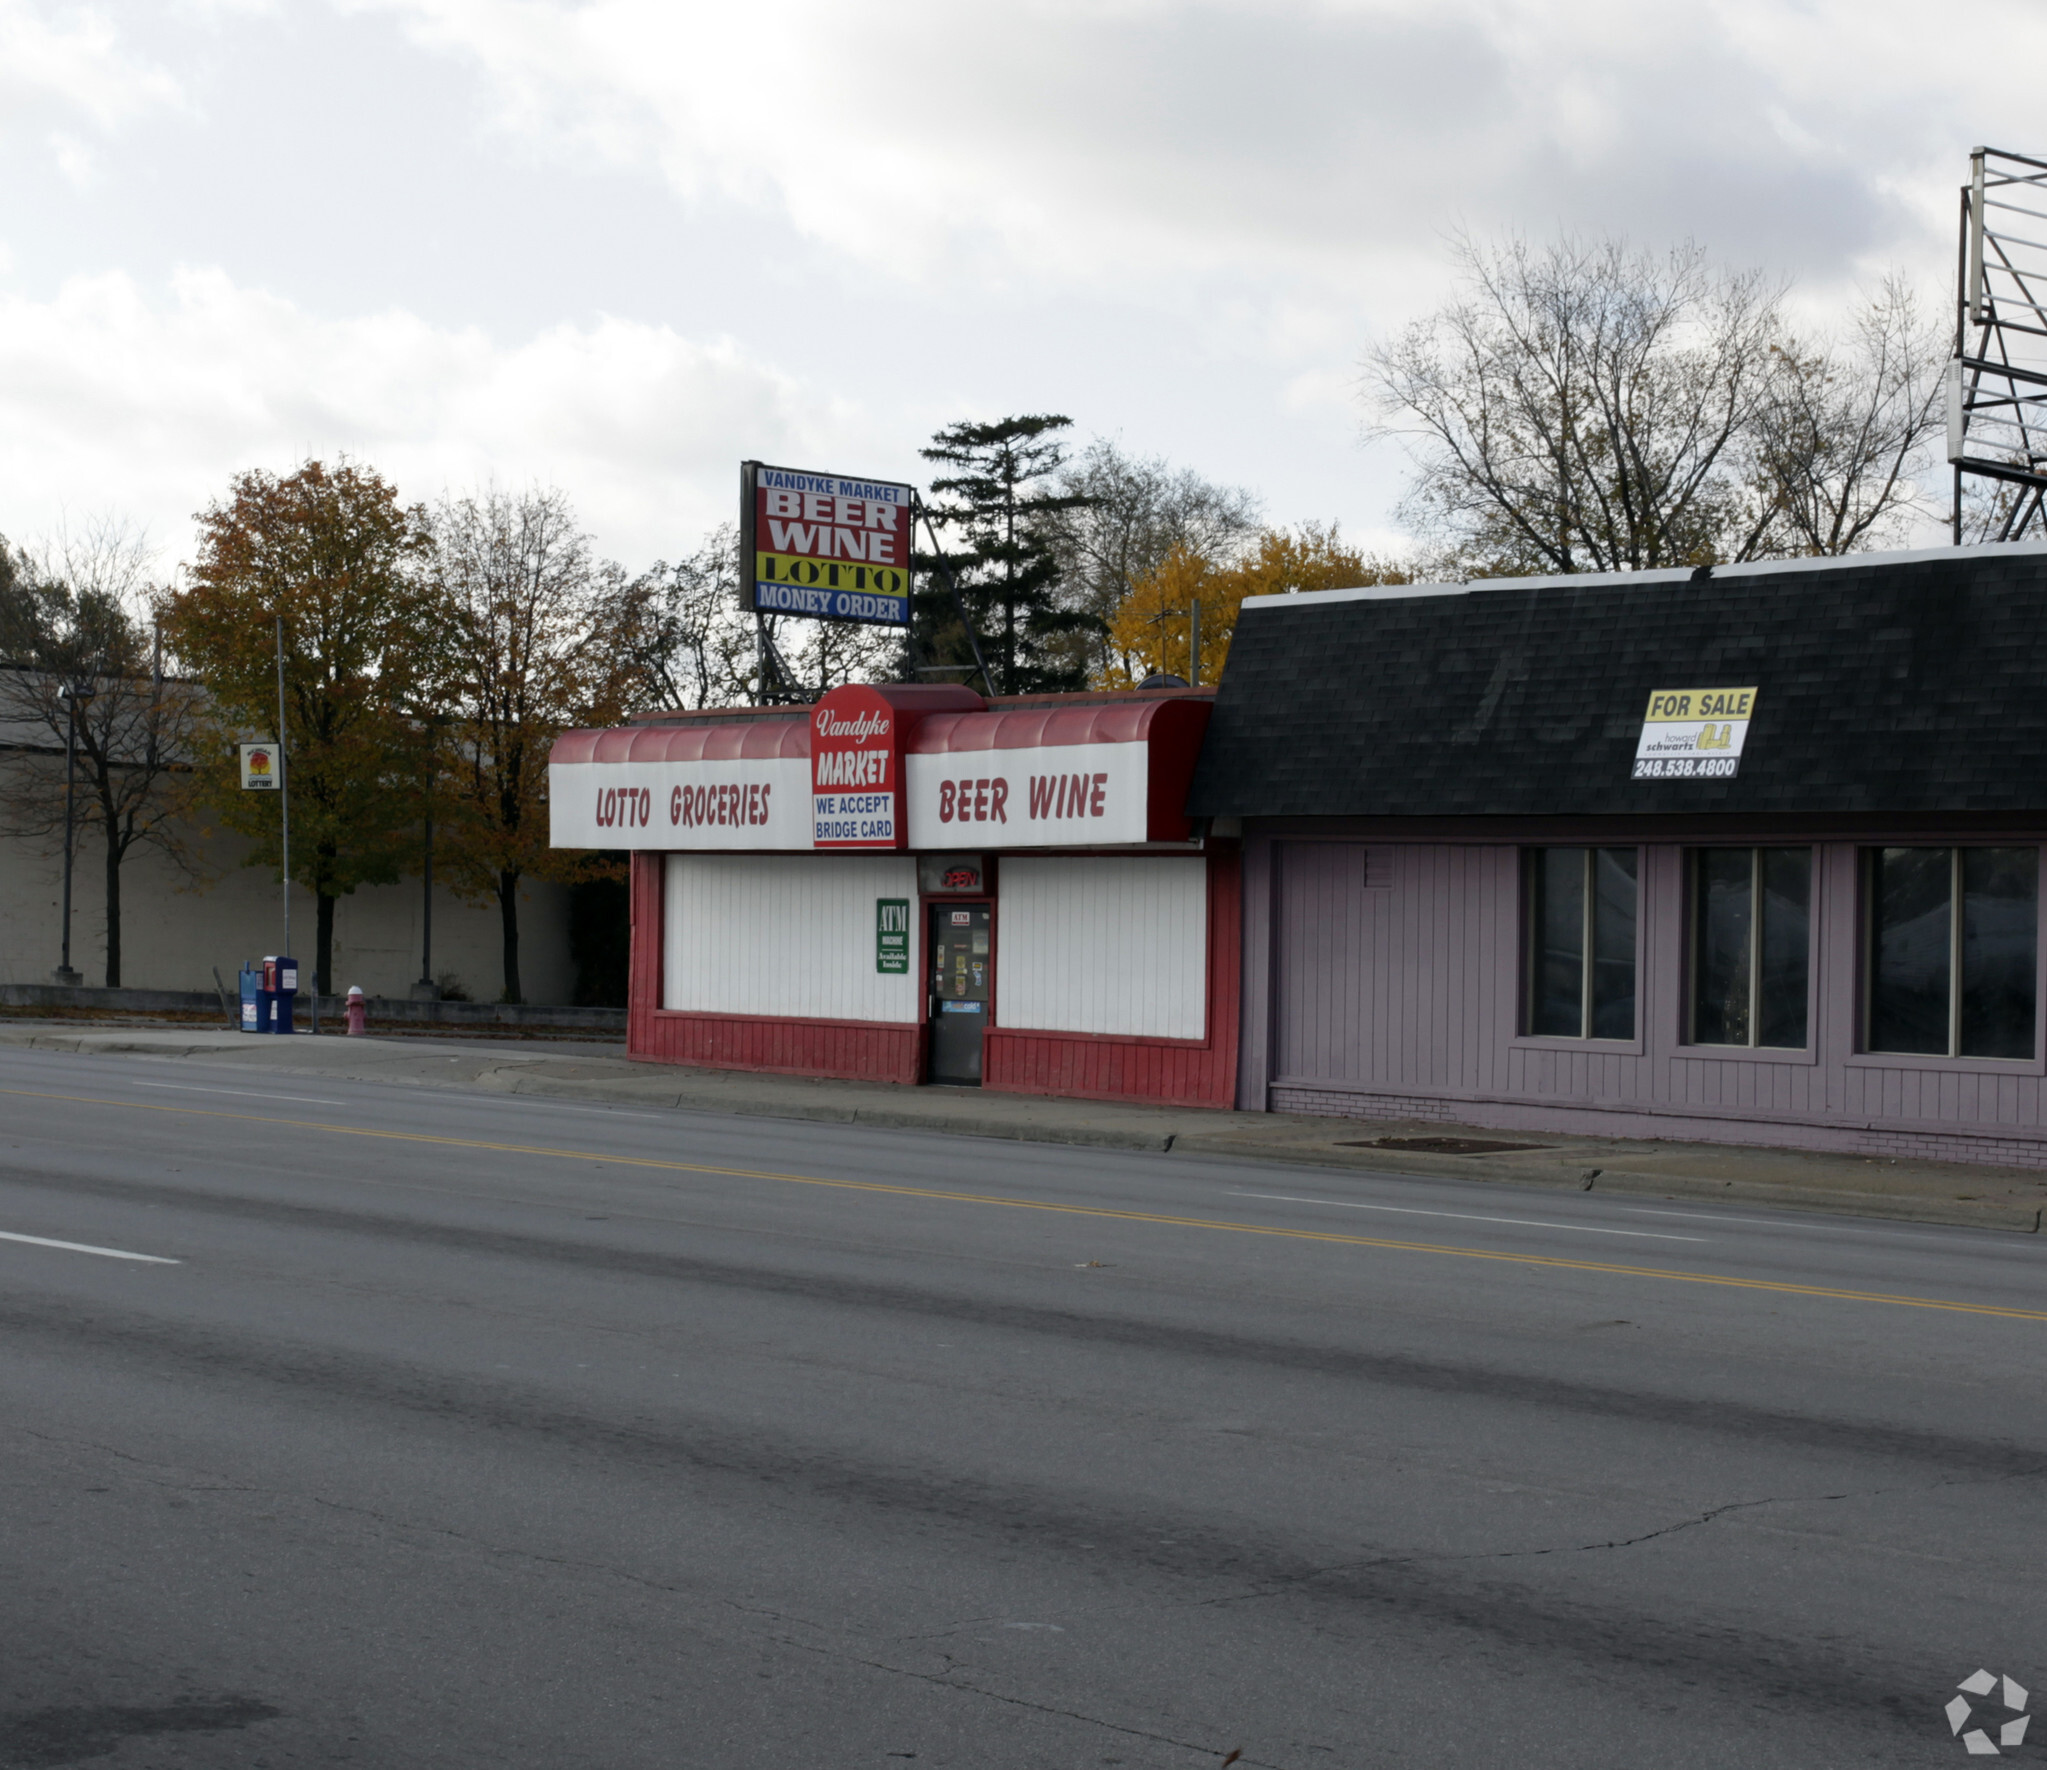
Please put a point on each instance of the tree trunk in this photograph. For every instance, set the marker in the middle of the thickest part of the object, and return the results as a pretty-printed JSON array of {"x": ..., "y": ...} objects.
[
  {"x": 508, "y": 914},
  {"x": 113, "y": 915},
  {"x": 323, "y": 944}
]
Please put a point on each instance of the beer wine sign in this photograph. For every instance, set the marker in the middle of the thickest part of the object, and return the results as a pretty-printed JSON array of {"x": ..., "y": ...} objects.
[{"x": 824, "y": 545}]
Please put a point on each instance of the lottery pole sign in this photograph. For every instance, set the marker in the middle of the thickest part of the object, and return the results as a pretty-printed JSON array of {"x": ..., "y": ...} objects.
[{"x": 826, "y": 545}]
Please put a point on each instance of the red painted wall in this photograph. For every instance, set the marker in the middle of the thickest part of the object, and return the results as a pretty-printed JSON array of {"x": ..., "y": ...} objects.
[{"x": 1189, "y": 1072}]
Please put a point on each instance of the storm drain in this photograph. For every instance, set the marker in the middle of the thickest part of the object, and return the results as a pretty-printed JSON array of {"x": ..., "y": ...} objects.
[{"x": 1442, "y": 1145}]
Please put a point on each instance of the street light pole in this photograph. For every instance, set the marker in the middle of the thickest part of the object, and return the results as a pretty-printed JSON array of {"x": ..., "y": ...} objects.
[
  {"x": 284, "y": 811},
  {"x": 71, "y": 694}
]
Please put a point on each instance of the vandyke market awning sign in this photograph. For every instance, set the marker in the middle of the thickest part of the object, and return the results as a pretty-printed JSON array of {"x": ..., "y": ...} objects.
[
  {"x": 881, "y": 769},
  {"x": 1694, "y": 734}
]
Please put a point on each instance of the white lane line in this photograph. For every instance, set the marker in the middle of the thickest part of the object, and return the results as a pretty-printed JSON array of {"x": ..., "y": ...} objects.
[
  {"x": 81, "y": 1247},
  {"x": 1345, "y": 1204},
  {"x": 1865, "y": 1226},
  {"x": 250, "y": 1093}
]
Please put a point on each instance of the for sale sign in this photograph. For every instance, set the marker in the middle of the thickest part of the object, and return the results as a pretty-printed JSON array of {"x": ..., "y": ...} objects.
[
  {"x": 1694, "y": 734},
  {"x": 825, "y": 544},
  {"x": 856, "y": 771}
]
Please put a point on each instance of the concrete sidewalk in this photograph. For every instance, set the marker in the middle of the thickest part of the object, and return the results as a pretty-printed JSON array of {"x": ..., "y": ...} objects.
[{"x": 1863, "y": 1186}]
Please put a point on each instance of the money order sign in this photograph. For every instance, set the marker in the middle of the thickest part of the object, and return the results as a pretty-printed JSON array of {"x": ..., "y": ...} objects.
[{"x": 825, "y": 544}]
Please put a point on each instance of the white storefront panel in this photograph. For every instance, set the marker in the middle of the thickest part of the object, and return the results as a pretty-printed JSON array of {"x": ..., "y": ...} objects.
[
  {"x": 1107, "y": 944},
  {"x": 720, "y": 803},
  {"x": 1054, "y": 796},
  {"x": 783, "y": 935}
]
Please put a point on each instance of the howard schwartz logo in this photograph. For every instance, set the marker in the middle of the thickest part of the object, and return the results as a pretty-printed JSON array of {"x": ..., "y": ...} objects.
[{"x": 853, "y": 777}]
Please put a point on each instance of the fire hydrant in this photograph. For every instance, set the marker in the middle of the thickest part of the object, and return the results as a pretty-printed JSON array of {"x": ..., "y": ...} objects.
[{"x": 358, "y": 1010}]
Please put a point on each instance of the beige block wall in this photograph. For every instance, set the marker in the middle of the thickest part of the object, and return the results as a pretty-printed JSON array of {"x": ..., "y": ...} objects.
[{"x": 174, "y": 932}]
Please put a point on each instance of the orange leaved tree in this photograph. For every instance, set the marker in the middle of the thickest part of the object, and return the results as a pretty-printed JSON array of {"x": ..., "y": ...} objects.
[{"x": 331, "y": 550}]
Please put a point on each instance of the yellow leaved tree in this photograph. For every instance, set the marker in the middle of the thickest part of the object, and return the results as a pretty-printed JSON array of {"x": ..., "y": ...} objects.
[{"x": 1152, "y": 630}]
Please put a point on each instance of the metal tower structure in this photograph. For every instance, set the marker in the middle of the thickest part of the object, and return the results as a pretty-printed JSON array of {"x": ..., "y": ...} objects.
[{"x": 1997, "y": 381}]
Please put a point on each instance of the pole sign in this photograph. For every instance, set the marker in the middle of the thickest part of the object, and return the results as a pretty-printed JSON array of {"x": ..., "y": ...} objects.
[
  {"x": 259, "y": 766},
  {"x": 856, "y": 771},
  {"x": 824, "y": 545}
]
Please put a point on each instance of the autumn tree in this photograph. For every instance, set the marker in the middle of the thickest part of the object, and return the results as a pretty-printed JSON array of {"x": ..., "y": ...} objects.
[
  {"x": 330, "y": 549},
  {"x": 1000, "y": 504},
  {"x": 1151, "y": 632},
  {"x": 1131, "y": 511},
  {"x": 537, "y": 638},
  {"x": 79, "y": 666}
]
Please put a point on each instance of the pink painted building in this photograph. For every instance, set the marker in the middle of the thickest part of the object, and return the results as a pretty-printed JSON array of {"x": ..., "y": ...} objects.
[{"x": 1743, "y": 855}]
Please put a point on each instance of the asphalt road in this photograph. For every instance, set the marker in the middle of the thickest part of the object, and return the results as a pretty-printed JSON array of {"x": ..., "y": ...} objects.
[{"x": 453, "y": 1431}]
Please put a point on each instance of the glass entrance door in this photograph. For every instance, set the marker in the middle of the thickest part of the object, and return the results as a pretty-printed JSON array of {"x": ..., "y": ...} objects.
[{"x": 961, "y": 976}]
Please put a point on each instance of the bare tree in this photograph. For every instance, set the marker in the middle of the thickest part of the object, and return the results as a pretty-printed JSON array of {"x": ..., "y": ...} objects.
[
  {"x": 1842, "y": 435},
  {"x": 692, "y": 645},
  {"x": 82, "y": 667},
  {"x": 528, "y": 651},
  {"x": 1591, "y": 407},
  {"x": 1584, "y": 408},
  {"x": 1133, "y": 511}
]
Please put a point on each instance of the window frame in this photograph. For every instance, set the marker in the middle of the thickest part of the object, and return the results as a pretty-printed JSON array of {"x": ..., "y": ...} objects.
[
  {"x": 1529, "y": 955},
  {"x": 1864, "y": 1056},
  {"x": 1688, "y": 1044}
]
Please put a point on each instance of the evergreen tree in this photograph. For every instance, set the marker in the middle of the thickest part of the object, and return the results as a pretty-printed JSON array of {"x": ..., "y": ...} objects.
[{"x": 1002, "y": 503}]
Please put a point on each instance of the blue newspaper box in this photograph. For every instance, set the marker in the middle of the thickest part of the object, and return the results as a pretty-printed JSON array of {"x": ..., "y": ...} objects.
[{"x": 255, "y": 1011}]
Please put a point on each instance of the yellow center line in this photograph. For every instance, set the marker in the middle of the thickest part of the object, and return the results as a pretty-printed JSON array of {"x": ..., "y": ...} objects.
[{"x": 1777, "y": 1286}]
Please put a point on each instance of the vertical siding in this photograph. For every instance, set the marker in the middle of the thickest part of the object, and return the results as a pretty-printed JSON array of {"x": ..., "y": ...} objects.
[
  {"x": 1106, "y": 944},
  {"x": 785, "y": 935},
  {"x": 1394, "y": 980}
]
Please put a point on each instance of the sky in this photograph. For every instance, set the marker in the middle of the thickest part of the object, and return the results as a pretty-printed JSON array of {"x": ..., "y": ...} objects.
[{"x": 619, "y": 246}]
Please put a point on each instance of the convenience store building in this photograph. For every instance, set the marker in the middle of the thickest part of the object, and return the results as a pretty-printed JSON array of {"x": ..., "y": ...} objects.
[{"x": 910, "y": 883}]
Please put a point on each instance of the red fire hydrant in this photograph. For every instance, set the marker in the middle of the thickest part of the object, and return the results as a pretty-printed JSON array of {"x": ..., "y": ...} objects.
[{"x": 358, "y": 1010}]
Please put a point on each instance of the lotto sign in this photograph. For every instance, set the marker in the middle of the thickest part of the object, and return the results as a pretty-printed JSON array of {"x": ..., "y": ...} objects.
[
  {"x": 856, "y": 771},
  {"x": 1694, "y": 734},
  {"x": 825, "y": 545}
]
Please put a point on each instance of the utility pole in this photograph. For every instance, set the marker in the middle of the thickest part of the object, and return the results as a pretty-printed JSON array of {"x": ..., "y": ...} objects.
[
  {"x": 284, "y": 801},
  {"x": 71, "y": 693},
  {"x": 426, "y": 990}
]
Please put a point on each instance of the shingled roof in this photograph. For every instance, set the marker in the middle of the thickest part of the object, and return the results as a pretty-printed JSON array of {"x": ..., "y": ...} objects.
[{"x": 1886, "y": 682}]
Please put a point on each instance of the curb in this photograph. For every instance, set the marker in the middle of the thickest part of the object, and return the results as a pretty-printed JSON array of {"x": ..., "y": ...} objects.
[{"x": 1566, "y": 1169}]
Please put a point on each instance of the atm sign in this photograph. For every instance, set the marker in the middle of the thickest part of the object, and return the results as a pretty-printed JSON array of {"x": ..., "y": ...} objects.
[{"x": 892, "y": 936}]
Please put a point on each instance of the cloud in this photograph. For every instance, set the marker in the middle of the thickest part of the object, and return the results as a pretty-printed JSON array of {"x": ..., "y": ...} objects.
[
  {"x": 148, "y": 403},
  {"x": 1126, "y": 143},
  {"x": 74, "y": 60}
]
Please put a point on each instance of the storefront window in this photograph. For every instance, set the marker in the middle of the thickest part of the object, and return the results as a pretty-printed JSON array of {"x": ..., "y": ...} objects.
[
  {"x": 1953, "y": 950},
  {"x": 1751, "y": 946},
  {"x": 1581, "y": 942}
]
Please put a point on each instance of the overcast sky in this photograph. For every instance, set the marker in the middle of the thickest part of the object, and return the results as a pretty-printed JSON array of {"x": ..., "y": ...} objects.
[{"x": 618, "y": 246}]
